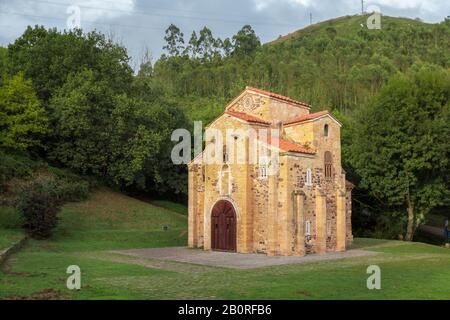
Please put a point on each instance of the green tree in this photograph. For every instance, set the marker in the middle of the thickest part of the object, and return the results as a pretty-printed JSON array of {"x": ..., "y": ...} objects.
[
  {"x": 23, "y": 121},
  {"x": 81, "y": 115},
  {"x": 227, "y": 47},
  {"x": 174, "y": 40},
  {"x": 122, "y": 139},
  {"x": 192, "y": 49},
  {"x": 49, "y": 56},
  {"x": 208, "y": 46},
  {"x": 3, "y": 62},
  {"x": 401, "y": 144},
  {"x": 245, "y": 41}
]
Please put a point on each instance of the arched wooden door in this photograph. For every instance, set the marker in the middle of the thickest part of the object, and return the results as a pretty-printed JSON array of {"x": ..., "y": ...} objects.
[{"x": 223, "y": 227}]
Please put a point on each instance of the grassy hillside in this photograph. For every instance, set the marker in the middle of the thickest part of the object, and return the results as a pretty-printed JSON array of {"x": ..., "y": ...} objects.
[
  {"x": 9, "y": 237},
  {"x": 109, "y": 220},
  {"x": 90, "y": 229},
  {"x": 336, "y": 64},
  {"x": 350, "y": 26}
]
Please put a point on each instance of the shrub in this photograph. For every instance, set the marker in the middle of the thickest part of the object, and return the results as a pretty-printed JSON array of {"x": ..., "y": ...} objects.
[
  {"x": 15, "y": 165},
  {"x": 39, "y": 203},
  {"x": 71, "y": 186},
  {"x": 71, "y": 191},
  {"x": 10, "y": 218}
]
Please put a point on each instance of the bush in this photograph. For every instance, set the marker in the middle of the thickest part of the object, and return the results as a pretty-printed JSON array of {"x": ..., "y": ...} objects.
[
  {"x": 71, "y": 191},
  {"x": 15, "y": 165},
  {"x": 10, "y": 218},
  {"x": 39, "y": 203},
  {"x": 71, "y": 187}
]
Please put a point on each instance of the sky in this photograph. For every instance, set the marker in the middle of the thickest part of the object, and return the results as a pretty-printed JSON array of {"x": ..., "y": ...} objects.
[{"x": 140, "y": 24}]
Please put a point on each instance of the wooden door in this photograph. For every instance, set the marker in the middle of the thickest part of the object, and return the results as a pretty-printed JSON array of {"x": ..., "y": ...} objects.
[{"x": 223, "y": 227}]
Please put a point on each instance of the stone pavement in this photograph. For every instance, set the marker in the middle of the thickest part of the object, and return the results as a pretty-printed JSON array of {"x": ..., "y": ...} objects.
[{"x": 235, "y": 260}]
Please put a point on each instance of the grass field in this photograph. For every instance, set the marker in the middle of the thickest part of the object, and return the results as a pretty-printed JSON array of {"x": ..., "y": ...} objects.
[
  {"x": 88, "y": 230},
  {"x": 8, "y": 237}
]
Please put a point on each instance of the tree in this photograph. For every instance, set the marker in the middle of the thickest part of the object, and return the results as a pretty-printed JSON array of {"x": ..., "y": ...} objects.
[
  {"x": 39, "y": 205},
  {"x": 23, "y": 122},
  {"x": 245, "y": 41},
  {"x": 401, "y": 147},
  {"x": 174, "y": 40},
  {"x": 3, "y": 62},
  {"x": 192, "y": 49},
  {"x": 120, "y": 138},
  {"x": 49, "y": 56},
  {"x": 227, "y": 47},
  {"x": 81, "y": 116},
  {"x": 146, "y": 67},
  {"x": 208, "y": 46}
]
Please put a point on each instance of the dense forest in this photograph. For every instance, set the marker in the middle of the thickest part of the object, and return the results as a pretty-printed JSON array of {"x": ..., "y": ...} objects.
[{"x": 72, "y": 101}]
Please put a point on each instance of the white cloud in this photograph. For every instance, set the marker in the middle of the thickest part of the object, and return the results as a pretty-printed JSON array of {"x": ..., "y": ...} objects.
[
  {"x": 141, "y": 24},
  {"x": 99, "y": 9},
  {"x": 264, "y": 4},
  {"x": 403, "y": 4},
  {"x": 16, "y": 15}
]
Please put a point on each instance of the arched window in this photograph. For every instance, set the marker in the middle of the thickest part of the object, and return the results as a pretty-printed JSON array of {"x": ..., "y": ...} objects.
[
  {"x": 225, "y": 154},
  {"x": 263, "y": 171},
  {"x": 204, "y": 173},
  {"x": 328, "y": 165},
  {"x": 307, "y": 228},
  {"x": 263, "y": 167},
  {"x": 308, "y": 180},
  {"x": 325, "y": 130}
]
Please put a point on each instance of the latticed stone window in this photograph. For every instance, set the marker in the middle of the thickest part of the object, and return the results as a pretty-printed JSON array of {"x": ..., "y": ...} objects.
[
  {"x": 263, "y": 167},
  {"x": 307, "y": 228},
  {"x": 308, "y": 179},
  {"x": 263, "y": 171}
]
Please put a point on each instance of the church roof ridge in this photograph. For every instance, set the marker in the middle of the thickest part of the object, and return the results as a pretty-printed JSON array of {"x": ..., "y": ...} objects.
[{"x": 277, "y": 96}]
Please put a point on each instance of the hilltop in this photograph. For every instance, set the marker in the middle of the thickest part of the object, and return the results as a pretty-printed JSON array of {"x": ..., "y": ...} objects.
[{"x": 337, "y": 64}]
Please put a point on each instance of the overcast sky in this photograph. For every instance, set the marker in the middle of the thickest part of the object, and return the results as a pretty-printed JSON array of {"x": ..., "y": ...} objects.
[{"x": 140, "y": 24}]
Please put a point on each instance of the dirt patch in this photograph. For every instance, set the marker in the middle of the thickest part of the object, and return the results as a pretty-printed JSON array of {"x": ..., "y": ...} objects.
[
  {"x": 304, "y": 293},
  {"x": 44, "y": 294}
]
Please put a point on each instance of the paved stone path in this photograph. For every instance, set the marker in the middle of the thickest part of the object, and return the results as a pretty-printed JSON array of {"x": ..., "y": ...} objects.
[{"x": 235, "y": 260}]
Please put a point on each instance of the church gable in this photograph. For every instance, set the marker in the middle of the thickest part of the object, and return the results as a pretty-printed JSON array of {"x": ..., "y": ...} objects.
[{"x": 268, "y": 106}]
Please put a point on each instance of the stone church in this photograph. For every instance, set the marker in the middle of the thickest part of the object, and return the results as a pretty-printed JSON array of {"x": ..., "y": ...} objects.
[{"x": 303, "y": 206}]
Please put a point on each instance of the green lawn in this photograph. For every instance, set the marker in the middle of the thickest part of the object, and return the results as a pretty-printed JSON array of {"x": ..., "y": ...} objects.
[
  {"x": 175, "y": 207},
  {"x": 8, "y": 237},
  {"x": 112, "y": 221}
]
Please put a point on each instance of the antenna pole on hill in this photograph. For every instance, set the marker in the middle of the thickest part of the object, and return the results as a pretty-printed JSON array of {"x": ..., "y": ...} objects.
[
  {"x": 310, "y": 18},
  {"x": 362, "y": 7}
]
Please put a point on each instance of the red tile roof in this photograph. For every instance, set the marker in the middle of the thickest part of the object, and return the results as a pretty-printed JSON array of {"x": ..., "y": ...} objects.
[
  {"x": 287, "y": 146},
  {"x": 278, "y": 96},
  {"x": 307, "y": 117},
  {"x": 247, "y": 117}
]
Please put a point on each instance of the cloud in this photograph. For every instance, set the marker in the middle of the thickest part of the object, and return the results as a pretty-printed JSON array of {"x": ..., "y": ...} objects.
[
  {"x": 140, "y": 24},
  {"x": 267, "y": 4},
  {"x": 93, "y": 10}
]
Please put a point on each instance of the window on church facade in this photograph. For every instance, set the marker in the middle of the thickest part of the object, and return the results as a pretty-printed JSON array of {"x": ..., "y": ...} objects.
[{"x": 308, "y": 180}]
